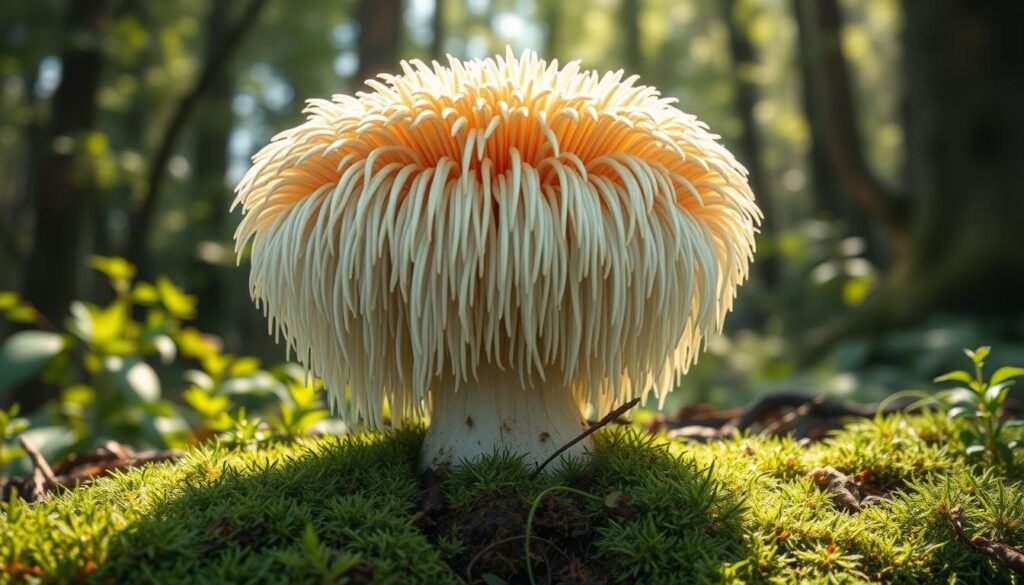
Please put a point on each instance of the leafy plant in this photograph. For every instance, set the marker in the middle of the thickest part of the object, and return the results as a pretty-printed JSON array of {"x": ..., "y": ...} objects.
[
  {"x": 980, "y": 404},
  {"x": 300, "y": 413},
  {"x": 113, "y": 365},
  {"x": 10, "y": 427},
  {"x": 245, "y": 432}
]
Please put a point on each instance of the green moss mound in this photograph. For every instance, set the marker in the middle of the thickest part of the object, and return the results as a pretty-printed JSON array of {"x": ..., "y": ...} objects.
[{"x": 641, "y": 510}]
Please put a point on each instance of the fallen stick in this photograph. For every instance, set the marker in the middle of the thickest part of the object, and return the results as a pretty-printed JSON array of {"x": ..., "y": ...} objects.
[
  {"x": 594, "y": 427},
  {"x": 1008, "y": 556},
  {"x": 43, "y": 479},
  {"x": 844, "y": 490}
]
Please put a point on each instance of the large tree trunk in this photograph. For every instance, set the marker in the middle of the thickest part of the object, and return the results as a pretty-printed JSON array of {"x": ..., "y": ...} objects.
[
  {"x": 212, "y": 195},
  {"x": 219, "y": 49},
  {"x": 632, "y": 53},
  {"x": 965, "y": 154},
  {"x": 829, "y": 192},
  {"x": 552, "y": 11},
  {"x": 833, "y": 117},
  {"x": 437, "y": 24},
  {"x": 744, "y": 65},
  {"x": 964, "y": 129},
  {"x": 380, "y": 34},
  {"x": 62, "y": 200}
]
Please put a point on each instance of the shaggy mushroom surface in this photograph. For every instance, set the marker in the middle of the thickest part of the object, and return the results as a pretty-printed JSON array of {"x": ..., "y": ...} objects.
[{"x": 503, "y": 246}]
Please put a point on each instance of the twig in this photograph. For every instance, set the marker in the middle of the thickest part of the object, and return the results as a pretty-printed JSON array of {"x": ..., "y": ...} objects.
[
  {"x": 1008, "y": 556},
  {"x": 826, "y": 408},
  {"x": 594, "y": 427},
  {"x": 38, "y": 460},
  {"x": 42, "y": 476},
  {"x": 800, "y": 412},
  {"x": 844, "y": 490},
  {"x": 480, "y": 553}
]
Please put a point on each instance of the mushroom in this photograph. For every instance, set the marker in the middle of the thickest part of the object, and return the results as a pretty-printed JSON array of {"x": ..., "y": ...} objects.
[{"x": 498, "y": 245}]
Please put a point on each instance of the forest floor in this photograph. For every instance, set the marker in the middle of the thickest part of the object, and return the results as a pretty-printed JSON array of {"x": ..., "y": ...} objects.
[{"x": 772, "y": 494}]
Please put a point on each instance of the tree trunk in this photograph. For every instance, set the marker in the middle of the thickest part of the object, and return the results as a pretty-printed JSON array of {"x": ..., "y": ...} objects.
[
  {"x": 552, "y": 10},
  {"x": 965, "y": 135},
  {"x": 744, "y": 64},
  {"x": 62, "y": 201},
  {"x": 964, "y": 130},
  {"x": 833, "y": 117},
  {"x": 437, "y": 24},
  {"x": 828, "y": 190},
  {"x": 380, "y": 34},
  {"x": 632, "y": 53},
  {"x": 218, "y": 52},
  {"x": 212, "y": 196}
]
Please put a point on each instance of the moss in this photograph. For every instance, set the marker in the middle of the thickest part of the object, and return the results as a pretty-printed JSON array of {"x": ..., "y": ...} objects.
[{"x": 641, "y": 509}]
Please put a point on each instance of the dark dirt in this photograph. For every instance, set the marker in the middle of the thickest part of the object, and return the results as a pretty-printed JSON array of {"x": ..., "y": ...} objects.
[{"x": 493, "y": 532}]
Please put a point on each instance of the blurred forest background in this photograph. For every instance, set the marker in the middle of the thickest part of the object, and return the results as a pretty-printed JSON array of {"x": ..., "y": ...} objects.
[{"x": 884, "y": 140}]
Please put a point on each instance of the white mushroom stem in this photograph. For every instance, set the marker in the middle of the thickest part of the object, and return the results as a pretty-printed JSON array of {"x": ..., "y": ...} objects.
[{"x": 498, "y": 410}]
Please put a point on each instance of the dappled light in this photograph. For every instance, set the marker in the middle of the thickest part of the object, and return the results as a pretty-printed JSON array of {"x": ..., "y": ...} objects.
[{"x": 511, "y": 291}]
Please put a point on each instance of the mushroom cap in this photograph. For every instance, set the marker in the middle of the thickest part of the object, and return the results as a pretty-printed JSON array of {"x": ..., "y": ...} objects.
[{"x": 548, "y": 220}]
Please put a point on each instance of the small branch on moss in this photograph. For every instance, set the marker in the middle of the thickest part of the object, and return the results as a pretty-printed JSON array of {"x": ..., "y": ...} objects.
[
  {"x": 81, "y": 469},
  {"x": 43, "y": 478},
  {"x": 800, "y": 412},
  {"x": 1008, "y": 556},
  {"x": 821, "y": 407},
  {"x": 844, "y": 490},
  {"x": 593, "y": 428}
]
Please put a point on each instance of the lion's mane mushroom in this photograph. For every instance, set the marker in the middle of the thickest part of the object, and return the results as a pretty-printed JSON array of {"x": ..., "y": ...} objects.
[{"x": 497, "y": 245}]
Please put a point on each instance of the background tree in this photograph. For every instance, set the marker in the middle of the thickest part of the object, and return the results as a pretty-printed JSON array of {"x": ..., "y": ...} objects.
[{"x": 63, "y": 194}]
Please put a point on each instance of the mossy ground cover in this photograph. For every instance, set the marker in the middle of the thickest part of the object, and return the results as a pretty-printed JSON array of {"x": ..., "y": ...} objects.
[{"x": 642, "y": 509}]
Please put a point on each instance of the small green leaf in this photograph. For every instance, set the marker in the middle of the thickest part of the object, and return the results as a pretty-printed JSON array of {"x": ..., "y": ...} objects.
[
  {"x": 194, "y": 344},
  {"x": 25, "y": 353},
  {"x": 145, "y": 294},
  {"x": 967, "y": 437},
  {"x": 974, "y": 450},
  {"x": 164, "y": 346},
  {"x": 978, "y": 355},
  {"x": 856, "y": 289},
  {"x": 206, "y": 404},
  {"x": 492, "y": 579},
  {"x": 179, "y": 304},
  {"x": 957, "y": 376},
  {"x": 308, "y": 419},
  {"x": 997, "y": 394},
  {"x": 244, "y": 366},
  {"x": 78, "y": 394},
  {"x": 135, "y": 378},
  {"x": 961, "y": 396},
  {"x": 962, "y": 412},
  {"x": 115, "y": 268},
  {"x": 22, "y": 314},
  {"x": 8, "y": 299},
  {"x": 1013, "y": 424},
  {"x": 108, "y": 323},
  {"x": 1005, "y": 373}
]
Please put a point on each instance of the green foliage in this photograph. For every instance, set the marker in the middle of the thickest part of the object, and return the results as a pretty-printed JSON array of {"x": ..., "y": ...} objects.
[
  {"x": 25, "y": 353},
  {"x": 980, "y": 403},
  {"x": 115, "y": 363},
  {"x": 10, "y": 427}
]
